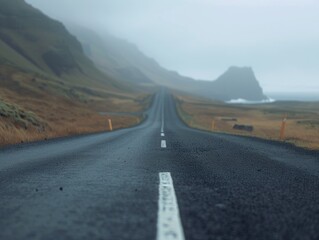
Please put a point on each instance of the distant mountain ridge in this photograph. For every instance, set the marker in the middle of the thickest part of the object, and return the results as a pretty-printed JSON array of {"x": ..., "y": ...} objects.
[
  {"x": 112, "y": 55},
  {"x": 125, "y": 61}
]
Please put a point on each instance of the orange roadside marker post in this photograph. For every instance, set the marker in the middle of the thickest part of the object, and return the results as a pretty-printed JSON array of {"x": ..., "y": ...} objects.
[
  {"x": 110, "y": 125},
  {"x": 283, "y": 128}
]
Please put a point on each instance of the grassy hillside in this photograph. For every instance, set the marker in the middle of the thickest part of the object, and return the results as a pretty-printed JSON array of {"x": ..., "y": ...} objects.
[
  {"x": 33, "y": 108},
  {"x": 32, "y": 41},
  {"x": 48, "y": 87}
]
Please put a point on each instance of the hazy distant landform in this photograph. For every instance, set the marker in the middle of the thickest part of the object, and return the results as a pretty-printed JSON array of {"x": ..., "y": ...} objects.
[
  {"x": 125, "y": 61},
  {"x": 32, "y": 41}
]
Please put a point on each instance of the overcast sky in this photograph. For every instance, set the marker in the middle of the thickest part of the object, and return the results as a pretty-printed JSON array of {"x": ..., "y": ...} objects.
[{"x": 202, "y": 38}]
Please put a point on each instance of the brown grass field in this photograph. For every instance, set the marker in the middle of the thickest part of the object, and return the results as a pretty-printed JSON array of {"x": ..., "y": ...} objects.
[
  {"x": 302, "y": 126},
  {"x": 33, "y": 108}
]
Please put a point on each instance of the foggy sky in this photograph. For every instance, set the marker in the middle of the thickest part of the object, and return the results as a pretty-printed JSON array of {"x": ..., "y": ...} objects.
[{"x": 202, "y": 38}]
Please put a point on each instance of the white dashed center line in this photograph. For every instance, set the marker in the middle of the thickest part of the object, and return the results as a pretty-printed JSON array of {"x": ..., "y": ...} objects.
[
  {"x": 169, "y": 226},
  {"x": 163, "y": 121},
  {"x": 163, "y": 144}
]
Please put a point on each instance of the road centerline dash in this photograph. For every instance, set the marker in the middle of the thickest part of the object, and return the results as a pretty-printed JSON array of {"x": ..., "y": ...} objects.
[
  {"x": 169, "y": 224},
  {"x": 162, "y": 126},
  {"x": 163, "y": 144}
]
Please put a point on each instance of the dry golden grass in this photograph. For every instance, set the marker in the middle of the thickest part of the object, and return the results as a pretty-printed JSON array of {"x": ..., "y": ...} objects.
[
  {"x": 10, "y": 134},
  {"x": 57, "y": 115},
  {"x": 302, "y": 126}
]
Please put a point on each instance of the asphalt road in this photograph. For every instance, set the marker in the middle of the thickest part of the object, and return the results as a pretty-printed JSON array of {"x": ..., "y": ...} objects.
[{"x": 141, "y": 184}]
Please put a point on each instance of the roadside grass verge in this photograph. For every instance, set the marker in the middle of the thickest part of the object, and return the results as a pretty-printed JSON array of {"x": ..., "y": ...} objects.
[{"x": 302, "y": 126}]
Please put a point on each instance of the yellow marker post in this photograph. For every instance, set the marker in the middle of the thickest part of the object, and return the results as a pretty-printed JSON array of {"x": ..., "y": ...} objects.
[
  {"x": 283, "y": 128},
  {"x": 110, "y": 125}
]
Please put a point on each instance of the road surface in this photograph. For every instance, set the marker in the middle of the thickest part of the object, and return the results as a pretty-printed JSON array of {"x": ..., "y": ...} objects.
[{"x": 159, "y": 180}]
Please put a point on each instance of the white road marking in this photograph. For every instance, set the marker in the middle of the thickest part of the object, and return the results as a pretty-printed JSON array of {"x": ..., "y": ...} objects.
[
  {"x": 169, "y": 224},
  {"x": 162, "y": 127},
  {"x": 163, "y": 134},
  {"x": 163, "y": 144}
]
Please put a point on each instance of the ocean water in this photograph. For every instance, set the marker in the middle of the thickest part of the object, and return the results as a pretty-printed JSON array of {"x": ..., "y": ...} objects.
[
  {"x": 273, "y": 97},
  {"x": 308, "y": 97},
  {"x": 244, "y": 101}
]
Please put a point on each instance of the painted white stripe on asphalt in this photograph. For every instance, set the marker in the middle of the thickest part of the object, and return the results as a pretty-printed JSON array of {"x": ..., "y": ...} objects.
[
  {"x": 169, "y": 224},
  {"x": 163, "y": 144},
  {"x": 163, "y": 134},
  {"x": 162, "y": 127}
]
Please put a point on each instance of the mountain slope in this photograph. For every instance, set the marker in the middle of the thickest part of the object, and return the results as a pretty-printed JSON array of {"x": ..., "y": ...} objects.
[
  {"x": 32, "y": 41},
  {"x": 48, "y": 86},
  {"x": 126, "y": 61},
  {"x": 116, "y": 56}
]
